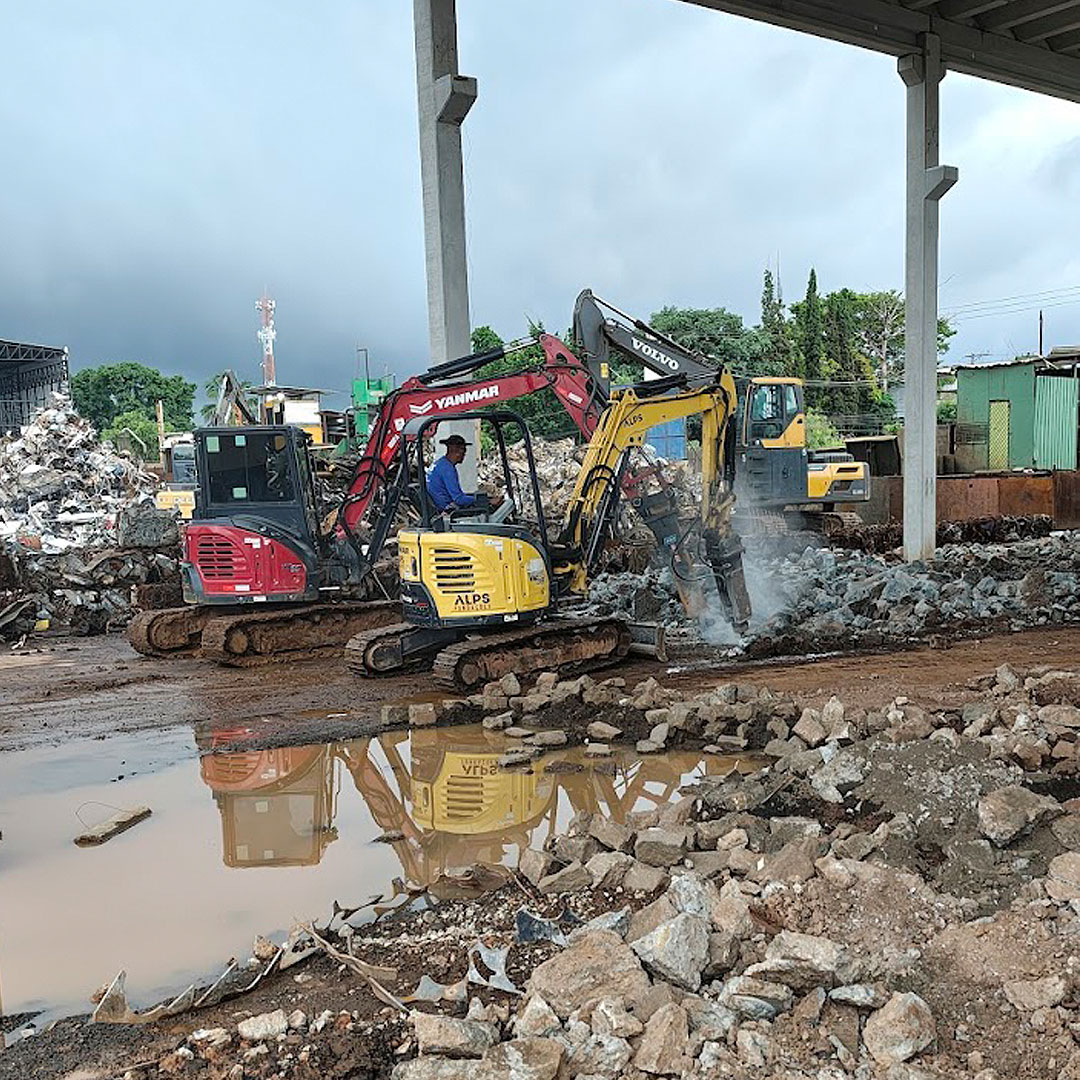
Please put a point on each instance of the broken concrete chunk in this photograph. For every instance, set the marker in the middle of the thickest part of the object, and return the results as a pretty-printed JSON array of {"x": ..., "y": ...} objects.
[
  {"x": 1011, "y": 811},
  {"x": 265, "y": 1026},
  {"x": 597, "y": 965},
  {"x": 611, "y": 1018},
  {"x": 571, "y": 878},
  {"x": 802, "y": 961},
  {"x": 676, "y": 950},
  {"x": 536, "y": 1018},
  {"x": 899, "y": 1030},
  {"x": 648, "y": 918},
  {"x": 664, "y": 1047},
  {"x": 756, "y": 999},
  {"x": 510, "y": 685},
  {"x": 610, "y": 834},
  {"x": 1063, "y": 877},
  {"x": 810, "y": 728},
  {"x": 422, "y": 714},
  {"x": 437, "y": 1034},
  {"x": 661, "y": 847},
  {"x": 1031, "y": 994},
  {"x": 535, "y": 865},
  {"x": 608, "y": 869},
  {"x": 601, "y": 732},
  {"x": 641, "y": 878}
]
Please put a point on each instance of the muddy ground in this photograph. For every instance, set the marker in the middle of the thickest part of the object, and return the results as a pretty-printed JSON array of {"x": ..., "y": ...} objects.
[{"x": 98, "y": 686}]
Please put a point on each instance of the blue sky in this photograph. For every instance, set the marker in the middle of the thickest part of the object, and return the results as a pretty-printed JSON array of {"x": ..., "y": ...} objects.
[{"x": 164, "y": 164}]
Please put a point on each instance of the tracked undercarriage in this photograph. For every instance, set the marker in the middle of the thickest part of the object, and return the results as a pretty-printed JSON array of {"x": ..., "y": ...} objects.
[
  {"x": 245, "y": 637},
  {"x": 563, "y": 645}
]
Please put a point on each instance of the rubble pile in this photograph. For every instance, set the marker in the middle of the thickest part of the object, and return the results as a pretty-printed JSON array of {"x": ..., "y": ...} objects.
[
  {"x": 889, "y": 893},
  {"x": 834, "y": 600},
  {"x": 558, "y": 464},
  {"x": 985, "y": 530},
  {"x": 819, "y": 600},
  {"x": 78, "y": 528}
]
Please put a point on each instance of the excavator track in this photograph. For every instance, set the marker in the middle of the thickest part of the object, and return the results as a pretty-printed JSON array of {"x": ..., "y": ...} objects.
[
  {"x": 169, "y": 631},
  {"x": 563, "y": 645},
  {"x": 253, "y": 637},
  {"x": 359, "y": 652}
]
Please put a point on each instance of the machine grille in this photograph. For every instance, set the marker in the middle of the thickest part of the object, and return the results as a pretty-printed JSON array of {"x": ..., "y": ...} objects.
[
  {"x": 465, "y": 798},
  {"x": 455, "y": 571},
  {"x": 217, "y": 557}
]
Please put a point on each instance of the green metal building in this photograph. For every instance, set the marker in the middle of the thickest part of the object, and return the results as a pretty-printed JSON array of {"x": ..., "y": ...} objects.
[{"x": 1020, "y": 414}]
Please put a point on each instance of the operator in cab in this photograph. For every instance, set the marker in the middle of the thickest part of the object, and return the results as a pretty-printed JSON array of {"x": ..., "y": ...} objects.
[{"x": 444, "y": 487}]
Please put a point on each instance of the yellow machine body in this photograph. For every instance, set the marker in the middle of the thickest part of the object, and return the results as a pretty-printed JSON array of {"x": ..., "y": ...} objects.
[
  {"x": 775, "y": 467},
  {"x": 182, "y": 499},
  {"x": 473, "y": 578},
  {"x": 466, "y": 793}
]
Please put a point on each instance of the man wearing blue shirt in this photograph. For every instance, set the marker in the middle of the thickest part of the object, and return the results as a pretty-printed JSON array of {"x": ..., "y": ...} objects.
[{"x": 444, "y": 488}]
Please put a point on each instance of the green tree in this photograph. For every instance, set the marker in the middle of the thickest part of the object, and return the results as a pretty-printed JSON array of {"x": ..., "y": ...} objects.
[
  {"x": 543, "y": 412},
  {"x": 103, "y": 393},
  {"x": 135, "y": 432},
  {"x": 879, "y": 331},
  {"x": 810, "y": 335},
  {"x": 212, "y": 387},
  {"x": 779, "y": 342},
  {"x": 719, "y": 335},
  {"x": 820, "y": 431}
]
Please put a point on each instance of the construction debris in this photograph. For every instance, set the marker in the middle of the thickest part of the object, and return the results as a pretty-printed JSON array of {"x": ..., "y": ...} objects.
[
  {"x": 120, "y": 822},
  {"x": 891, "y": 892},
  {"x": 78, "y": 528}
]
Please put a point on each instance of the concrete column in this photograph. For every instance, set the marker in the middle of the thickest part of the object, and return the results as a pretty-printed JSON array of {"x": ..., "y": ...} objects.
[
  {"x": 444, "y": 99},
  {"x": 927, "y": 182}
]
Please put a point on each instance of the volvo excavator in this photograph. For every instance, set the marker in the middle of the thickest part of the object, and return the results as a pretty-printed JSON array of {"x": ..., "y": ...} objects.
[
  {"x": 485, "y": 594},
  {"x": 775, "y": 468}
]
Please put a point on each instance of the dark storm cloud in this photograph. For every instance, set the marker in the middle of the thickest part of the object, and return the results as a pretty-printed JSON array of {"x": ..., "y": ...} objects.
[{"x": 172, "y": 162}]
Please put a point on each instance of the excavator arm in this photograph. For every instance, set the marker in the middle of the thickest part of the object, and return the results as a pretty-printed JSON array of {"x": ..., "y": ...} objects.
[
  {"x": 602, "y": 330},
  {"x": 623, "y": 426},
  {"x": 445, "y": 390}
]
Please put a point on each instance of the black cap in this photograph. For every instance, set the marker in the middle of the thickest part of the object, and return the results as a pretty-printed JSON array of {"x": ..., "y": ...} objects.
[{"x": 454, "y": 440}]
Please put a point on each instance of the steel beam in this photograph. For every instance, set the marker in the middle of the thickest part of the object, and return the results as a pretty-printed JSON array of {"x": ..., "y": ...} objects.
[
  {"x": 926, "y": 182},
  {"x": 444, "y": 98}
]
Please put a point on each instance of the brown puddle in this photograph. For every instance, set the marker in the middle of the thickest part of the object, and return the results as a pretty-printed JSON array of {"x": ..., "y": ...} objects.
[{"x": 245, "y": 842}]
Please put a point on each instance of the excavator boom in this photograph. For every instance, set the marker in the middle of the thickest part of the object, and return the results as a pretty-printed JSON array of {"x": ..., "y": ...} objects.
[{"x": 622, "y": 428}]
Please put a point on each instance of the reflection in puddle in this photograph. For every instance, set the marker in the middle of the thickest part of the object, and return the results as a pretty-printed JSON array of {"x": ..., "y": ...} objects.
[
  {"x": 285, "y": 834},
  {"x": 440, "y": 790}
]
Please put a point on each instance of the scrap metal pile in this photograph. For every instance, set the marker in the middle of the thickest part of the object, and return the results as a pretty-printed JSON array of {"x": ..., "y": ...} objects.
[{"x": 78, "y": 528}]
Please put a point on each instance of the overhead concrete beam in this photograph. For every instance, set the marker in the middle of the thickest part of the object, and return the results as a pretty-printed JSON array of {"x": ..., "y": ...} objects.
[{"x": 889, "y": 28}]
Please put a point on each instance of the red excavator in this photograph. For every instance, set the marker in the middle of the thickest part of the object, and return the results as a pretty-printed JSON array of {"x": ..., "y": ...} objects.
[{"x": 265, "y": 579}]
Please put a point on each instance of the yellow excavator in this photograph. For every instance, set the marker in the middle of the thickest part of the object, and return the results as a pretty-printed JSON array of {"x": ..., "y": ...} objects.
[{"x": 483, "y": 594}]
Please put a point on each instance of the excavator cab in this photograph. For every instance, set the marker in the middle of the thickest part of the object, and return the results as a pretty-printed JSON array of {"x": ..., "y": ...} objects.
[
  {"x": 254, "y": 534},
  {"x": 776, "y": 468},
  {"x": 472, "y": 566}
]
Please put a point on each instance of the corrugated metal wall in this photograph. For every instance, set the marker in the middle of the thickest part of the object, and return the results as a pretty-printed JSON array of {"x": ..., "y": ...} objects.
[{"x": 1056, "y": 418}]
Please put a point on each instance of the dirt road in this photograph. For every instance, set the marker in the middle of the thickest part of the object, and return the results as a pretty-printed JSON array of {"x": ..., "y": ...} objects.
[{"x": 94, "y": 687}]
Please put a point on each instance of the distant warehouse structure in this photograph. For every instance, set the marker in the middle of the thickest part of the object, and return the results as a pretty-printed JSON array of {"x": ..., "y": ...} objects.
[
  {"x": 28, "y": 374},
  {"x": 1020, "y": 414}
]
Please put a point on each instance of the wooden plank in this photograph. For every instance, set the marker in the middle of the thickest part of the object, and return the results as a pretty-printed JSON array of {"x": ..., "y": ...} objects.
[{"x": 121, "y": 821}]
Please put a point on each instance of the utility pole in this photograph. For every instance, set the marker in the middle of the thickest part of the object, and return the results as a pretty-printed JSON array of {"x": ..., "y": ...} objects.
[
  {"x": 266, "y": 335},
  {"x": 1040, "y": 332}
]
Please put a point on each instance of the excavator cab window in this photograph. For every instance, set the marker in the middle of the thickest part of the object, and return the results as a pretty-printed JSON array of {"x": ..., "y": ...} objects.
[
  {"x": 766, "y": 411},
  {"x": 249, "y": 467}
]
